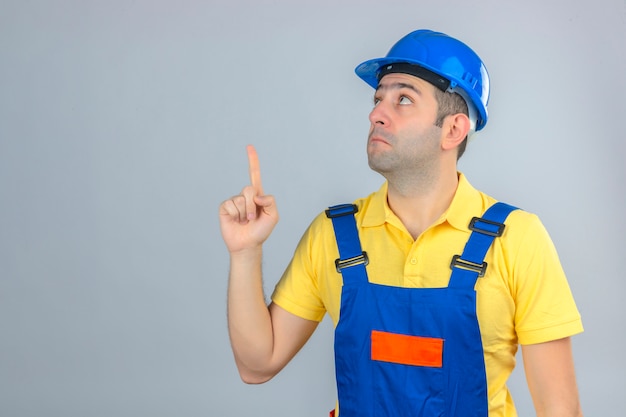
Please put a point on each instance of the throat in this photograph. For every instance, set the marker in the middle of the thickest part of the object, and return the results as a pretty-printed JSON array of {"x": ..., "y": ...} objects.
[
  {"x": 417, "y": 227},
  {"x": 419, "y": 211}
]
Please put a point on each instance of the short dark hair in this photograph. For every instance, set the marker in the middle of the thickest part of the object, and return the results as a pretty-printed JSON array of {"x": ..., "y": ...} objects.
[{"x": 448, "y": 104}]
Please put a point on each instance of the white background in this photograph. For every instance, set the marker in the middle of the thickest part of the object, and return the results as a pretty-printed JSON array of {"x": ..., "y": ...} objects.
[{"x": 123, "y": 125}]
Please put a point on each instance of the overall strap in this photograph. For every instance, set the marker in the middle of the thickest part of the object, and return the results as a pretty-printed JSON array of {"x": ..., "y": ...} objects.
[
  {"x": 467, "y": 267},
  {"x": 352, "y": 259}
]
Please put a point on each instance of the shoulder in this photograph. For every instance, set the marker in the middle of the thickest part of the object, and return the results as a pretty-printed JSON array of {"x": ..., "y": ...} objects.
[
  {"x": 368, "y": 209},
  {"x": 525, "y": 228}
]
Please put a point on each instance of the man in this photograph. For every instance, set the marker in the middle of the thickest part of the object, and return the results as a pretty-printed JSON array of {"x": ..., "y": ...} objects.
[{"x": 430, "y": 283}]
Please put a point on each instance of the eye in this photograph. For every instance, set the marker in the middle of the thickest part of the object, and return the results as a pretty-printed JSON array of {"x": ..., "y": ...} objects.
[
  {"x": 376, "y": 101},
  {"x": 405, "y": 100}
]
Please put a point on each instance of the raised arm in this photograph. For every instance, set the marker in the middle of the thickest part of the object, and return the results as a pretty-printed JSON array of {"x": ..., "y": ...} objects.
[{"x": 263, "y": 338}]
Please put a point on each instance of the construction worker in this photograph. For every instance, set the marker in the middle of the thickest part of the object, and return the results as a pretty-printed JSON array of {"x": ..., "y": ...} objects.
[{"x": 432, "y": 285}]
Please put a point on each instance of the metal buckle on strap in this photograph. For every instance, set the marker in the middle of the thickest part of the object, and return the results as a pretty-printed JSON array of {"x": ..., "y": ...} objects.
[
  {"x": 356, "y": 260},
  {"x": 341, "y": 210},
  {"x": 471, "y": 266},
  {"x": 474, "y": 227}
]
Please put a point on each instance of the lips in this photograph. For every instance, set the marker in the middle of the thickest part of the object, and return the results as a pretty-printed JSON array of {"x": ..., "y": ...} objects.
[{"x": 378, "y": 137}]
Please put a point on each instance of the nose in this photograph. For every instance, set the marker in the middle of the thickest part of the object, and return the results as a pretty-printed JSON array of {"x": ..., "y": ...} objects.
[{"x": 379, "y": 114}]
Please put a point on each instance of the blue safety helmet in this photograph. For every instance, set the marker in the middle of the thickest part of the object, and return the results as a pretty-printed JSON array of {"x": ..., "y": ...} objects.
[{"x": 443, "y": 61}]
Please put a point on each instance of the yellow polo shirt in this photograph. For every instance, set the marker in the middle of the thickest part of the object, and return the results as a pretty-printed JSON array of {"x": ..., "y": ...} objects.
[{"x": 523, "y": 298}]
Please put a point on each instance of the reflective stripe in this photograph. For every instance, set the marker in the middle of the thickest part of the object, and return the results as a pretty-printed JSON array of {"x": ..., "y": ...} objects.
[{"x": 407, "y": 350}]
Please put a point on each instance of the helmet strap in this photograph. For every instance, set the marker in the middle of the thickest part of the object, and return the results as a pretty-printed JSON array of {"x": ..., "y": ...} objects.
[{"x": 415, "y": 70}]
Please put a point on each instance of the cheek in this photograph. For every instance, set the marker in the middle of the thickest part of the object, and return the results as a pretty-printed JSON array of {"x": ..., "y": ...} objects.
[{"x": 421, "y": 137}]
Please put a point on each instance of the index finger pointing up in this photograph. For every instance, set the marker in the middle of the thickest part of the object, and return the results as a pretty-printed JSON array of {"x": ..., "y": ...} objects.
[{"x": 255, "y": 170}]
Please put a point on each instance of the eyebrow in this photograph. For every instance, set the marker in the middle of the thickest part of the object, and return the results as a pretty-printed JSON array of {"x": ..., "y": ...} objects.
[{"x": 398, "y": 86}]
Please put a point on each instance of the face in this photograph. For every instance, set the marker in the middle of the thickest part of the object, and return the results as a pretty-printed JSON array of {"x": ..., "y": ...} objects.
[{"x": 403, "y": 138}]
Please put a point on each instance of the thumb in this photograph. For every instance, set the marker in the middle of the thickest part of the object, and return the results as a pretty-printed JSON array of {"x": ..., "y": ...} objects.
[{"x": 267, "y": 204}]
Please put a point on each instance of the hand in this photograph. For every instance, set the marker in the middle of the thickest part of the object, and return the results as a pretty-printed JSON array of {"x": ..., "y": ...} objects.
[{"x": 247, "y": 219}]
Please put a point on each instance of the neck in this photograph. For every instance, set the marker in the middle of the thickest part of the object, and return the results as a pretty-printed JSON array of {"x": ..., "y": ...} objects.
[{"x": 420, "y": 204}]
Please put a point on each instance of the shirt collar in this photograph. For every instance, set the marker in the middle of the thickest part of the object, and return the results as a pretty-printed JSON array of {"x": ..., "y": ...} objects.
[
  {"x": 467, "y": 203},
  {"x": 377, "y": 210}
]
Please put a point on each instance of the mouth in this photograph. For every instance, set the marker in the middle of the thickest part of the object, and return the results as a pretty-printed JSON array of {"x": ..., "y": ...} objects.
[{"x": 377, "y": 138}]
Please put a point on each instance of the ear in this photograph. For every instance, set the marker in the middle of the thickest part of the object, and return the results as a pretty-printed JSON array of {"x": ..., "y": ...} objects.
[{"x": 454, "y": 130}]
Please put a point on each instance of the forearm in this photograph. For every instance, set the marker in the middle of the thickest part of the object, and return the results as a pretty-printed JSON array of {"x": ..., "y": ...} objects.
[
  {"x": 551, "y": 378},
  {"x": 568, "y": 411},
  {"x": 249, "y": 320}
]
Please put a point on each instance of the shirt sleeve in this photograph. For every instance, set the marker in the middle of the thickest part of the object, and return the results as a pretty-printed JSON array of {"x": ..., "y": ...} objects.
[
  {"x": 297, "y": 291},
  {"x": 544, "y": 306}
]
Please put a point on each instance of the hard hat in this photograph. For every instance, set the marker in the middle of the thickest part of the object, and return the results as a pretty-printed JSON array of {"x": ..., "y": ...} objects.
[{"x": 446, "y": 62}]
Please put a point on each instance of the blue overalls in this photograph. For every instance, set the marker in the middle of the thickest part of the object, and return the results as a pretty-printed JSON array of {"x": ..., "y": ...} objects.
[{"x": 411, "y": 351}]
